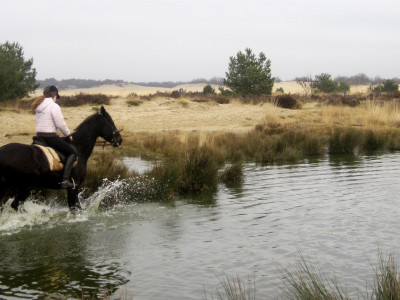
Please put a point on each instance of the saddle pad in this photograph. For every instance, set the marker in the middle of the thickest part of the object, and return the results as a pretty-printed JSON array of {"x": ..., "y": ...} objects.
[{"x": 52, "y": 158}]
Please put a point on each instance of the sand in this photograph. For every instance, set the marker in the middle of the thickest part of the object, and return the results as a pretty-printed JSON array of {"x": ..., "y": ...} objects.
[{"x": 125, "y": 89}]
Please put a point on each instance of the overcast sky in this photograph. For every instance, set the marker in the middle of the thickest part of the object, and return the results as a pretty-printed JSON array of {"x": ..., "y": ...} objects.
[{"x": 181, "y": 40}]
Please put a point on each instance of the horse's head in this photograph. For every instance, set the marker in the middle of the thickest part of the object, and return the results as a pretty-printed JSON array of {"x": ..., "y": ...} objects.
[{"x": 109, "y": 132}]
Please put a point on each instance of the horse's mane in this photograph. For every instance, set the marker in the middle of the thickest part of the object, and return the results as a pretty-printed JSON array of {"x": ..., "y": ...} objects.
[{"x": 87, "y": 121}]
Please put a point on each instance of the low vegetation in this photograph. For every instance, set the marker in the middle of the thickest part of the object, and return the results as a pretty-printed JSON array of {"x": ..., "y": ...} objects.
[
  {"x": 307, "y": 281},
  {"x": 66, "y": 101}
]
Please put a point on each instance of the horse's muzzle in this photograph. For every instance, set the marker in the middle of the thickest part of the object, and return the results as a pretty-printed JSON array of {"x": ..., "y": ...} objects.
[{"x": 117, "y": 141}]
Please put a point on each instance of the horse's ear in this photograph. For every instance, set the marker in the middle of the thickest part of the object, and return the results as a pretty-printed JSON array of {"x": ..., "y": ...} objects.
[{"x": 103, "y": 110}]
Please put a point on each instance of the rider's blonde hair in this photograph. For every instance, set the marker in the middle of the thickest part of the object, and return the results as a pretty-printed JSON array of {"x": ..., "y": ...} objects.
[{"x": 37, "y": 102}]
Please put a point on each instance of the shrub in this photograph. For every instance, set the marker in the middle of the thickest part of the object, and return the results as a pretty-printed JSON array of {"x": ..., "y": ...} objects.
[
  {"x": 82, "y": 99},
  {"x": 324, "y": 83},
  {"x": 388, "y": 86},
  {"x": 208, "y": 90},
  {"x": 286, "y": 101},
  {"x": 134, "y": 102}
]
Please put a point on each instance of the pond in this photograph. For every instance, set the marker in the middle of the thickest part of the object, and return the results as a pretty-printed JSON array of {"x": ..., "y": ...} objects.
[{"x": 339, "y": 212}]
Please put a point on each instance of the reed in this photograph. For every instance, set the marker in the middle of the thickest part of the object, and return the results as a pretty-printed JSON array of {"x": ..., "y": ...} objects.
[
  {"x": 232, "y": 174},
  {"x": 235, "y": 289},
  {"x": 387, "y": 279},
  {"x": 309, "y": 281},
  {"x": 344, "y": 140}
]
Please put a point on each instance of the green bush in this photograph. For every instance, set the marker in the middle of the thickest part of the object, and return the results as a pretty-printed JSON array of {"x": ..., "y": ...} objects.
[
  {"x": 325, "y": 84},
  {"x": 208, "y": 90},
  {"x": 388, "y": 86}
]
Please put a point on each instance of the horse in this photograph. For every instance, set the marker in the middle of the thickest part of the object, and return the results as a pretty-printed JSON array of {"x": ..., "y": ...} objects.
[{"x": 24, "y": 168}]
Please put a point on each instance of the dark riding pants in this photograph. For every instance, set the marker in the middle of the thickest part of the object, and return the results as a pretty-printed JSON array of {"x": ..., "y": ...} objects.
[{"x": 59, "y": 144}]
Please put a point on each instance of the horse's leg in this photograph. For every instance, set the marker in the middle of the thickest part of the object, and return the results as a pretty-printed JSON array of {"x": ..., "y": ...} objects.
[
  {"x": 73, "y": 201},
  {"x": 20, "y": 197}
]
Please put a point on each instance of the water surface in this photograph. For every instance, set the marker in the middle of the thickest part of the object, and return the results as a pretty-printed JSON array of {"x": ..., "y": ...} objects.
[{"x": 337, "y": 212}]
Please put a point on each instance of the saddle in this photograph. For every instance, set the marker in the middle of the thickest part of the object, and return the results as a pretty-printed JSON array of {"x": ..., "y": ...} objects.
[{"x": 55, "y": 158}]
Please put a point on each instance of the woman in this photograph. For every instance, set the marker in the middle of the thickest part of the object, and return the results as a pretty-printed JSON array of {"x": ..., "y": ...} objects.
[{"x": 49, "y": 118}]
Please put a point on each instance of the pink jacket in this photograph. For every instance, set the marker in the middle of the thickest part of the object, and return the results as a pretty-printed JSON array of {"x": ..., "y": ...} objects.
[{"x": 49, "y": 118}]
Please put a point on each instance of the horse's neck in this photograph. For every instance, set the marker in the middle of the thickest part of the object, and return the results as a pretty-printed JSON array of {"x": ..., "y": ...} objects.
[{"x": 85, "y": 139}]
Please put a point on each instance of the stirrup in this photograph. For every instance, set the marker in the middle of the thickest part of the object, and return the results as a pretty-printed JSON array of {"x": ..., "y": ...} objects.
[{"x": 67, "y": 184}]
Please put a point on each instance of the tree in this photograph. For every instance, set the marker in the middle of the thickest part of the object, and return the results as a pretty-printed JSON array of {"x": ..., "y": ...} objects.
[
  {"x": 388, "y": 86},
  {"x": 343, "y": 87},
  {"x": 17, "y": 77},
  {"x": 324, "y": 83},
  {"x": 208, "y": 90},
  {"x": 248, "y": 75}
]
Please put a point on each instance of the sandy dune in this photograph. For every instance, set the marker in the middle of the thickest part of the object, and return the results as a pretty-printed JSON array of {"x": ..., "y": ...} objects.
[{"x": 125, "y": 89}]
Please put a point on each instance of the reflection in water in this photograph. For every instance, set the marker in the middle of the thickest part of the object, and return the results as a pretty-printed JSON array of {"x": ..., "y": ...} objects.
[{"x": 338, "y": 211}]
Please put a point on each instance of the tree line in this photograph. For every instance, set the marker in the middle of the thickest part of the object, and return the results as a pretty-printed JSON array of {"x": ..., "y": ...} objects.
[{"x": 248, "y": 75}]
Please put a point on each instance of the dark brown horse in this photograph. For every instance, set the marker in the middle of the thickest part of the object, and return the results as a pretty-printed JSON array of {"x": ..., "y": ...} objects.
[{"x": 24, "y": 168}]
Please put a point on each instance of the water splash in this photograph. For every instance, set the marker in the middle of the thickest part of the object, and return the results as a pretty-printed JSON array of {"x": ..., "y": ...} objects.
[
  {"x": 30, "y": 214},
  {"x": 111, "y": 194}
]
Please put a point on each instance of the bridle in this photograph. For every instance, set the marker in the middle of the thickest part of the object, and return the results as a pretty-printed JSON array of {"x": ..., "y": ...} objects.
[
  {"x": 113, "y": 140},
  {"x": 115, "y": 134}
]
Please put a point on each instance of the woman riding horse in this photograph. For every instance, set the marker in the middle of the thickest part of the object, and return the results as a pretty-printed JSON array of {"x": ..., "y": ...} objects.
[
  {"x": 49, "y": 118},
  {"x": 24, "y": 168}
]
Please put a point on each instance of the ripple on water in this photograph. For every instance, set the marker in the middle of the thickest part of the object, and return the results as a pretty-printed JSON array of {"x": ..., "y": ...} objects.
[{"x": 338, "y": 213}]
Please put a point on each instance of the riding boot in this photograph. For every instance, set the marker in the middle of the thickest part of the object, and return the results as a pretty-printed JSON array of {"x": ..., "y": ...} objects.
[{"x": 66, "y": 182}]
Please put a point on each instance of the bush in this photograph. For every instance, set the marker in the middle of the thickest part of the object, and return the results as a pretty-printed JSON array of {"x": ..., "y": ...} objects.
[
  {"x": 286, "y": 101},
  {"x": 208, "y": 90},
  {"x": 388, "y": 86},
  {"x": 324, "y": 83},
  {"x": 82, "y": 99}
]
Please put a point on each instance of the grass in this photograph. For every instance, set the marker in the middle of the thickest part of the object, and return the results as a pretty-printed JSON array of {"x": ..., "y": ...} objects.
[
  {"x": 387, "y": 279},
  {"x": 235, "y": 289},
  {"x": 308, "y": 281}
]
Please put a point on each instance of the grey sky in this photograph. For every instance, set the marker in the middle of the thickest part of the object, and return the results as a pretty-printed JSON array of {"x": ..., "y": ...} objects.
[{"x": 177, "y": 40}]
